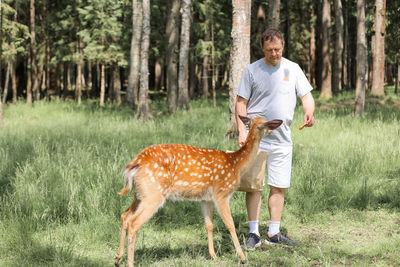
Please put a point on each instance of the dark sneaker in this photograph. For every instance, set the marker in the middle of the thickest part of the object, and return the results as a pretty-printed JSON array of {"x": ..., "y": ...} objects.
[
  {"x": 253, "y": 241},
  {"x": 279, "y": 239}
]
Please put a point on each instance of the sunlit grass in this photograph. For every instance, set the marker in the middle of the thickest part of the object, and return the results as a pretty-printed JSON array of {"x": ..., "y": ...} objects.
[{"x": 61, "y": 166}]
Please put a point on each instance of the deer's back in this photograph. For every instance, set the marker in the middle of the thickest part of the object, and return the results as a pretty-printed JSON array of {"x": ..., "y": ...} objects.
[{"x": 182, "y": 171}]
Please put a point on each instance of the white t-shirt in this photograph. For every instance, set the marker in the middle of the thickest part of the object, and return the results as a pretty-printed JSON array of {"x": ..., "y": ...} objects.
[{"x": 271, "y": 94}]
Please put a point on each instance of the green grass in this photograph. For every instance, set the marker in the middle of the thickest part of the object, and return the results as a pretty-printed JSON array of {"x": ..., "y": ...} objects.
[{"x": 61, "y": 166}]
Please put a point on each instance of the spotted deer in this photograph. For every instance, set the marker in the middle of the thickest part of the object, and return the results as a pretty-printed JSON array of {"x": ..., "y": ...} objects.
[{"x": 185, "y": 172}]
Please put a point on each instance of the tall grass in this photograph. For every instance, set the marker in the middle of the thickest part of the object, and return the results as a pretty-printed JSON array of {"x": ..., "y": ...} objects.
[{"x": 61, "y": 166}]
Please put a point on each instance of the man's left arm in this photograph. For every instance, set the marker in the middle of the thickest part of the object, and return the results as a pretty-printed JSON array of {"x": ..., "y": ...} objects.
[{"x": 308, "y": 107}]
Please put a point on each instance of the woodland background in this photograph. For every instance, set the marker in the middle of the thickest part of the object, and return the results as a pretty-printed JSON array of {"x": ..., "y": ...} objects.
[{"x": 134, "y": 51}]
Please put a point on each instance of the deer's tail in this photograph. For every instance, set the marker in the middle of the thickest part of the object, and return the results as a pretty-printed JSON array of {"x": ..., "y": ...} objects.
[{"x": 129, "y": 173}]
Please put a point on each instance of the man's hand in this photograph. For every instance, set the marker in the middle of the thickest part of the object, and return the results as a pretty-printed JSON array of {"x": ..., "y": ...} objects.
[{"x": 308, "y": 106}]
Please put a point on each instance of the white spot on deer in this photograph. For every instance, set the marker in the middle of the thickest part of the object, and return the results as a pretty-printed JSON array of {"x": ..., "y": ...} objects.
[
  {"x": 152, "y": 179},
  {"x": 216, "y": 177},
  {"x": 185, "y": 183},
  {"x": 186, "y": 169},
  {"x": 229, "y": 174},
  {"x": 155, "y": 165},
  {"x": 178, "y": 182}
]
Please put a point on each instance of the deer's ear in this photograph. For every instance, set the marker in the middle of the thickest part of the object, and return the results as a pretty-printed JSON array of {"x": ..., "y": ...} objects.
[
  {"x": 245, "y": 120},
  {"x": 272, "y": 125}
]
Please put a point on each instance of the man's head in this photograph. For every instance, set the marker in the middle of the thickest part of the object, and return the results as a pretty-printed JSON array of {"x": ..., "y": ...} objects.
[{"x": 272, "y": 44}]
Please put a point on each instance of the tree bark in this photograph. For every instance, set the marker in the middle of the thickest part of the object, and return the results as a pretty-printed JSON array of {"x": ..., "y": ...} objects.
[
  {"x": 361, "y": 58},
  {"x": 116, "y": 84},
  {"x": 326, "y": 85},
  {"x": 78, "y": 89},
  {"x": 338, "y": 54},
  {"x": 143, "y": 110},
  {"x": 183, "y": 76},
  {"x": 312, "y": 49},
  {"x": 102, "y": 84},
  {"x": 240, "y": 54},
  {"x": 273, "y": 14},
  {"x": 7, "y": 81},
  {"x": 134, "y": 69},
  {"x": 13, "y": 81},
  {"x": 378, "y": 51},
  {"x": 172, "y": 35}
]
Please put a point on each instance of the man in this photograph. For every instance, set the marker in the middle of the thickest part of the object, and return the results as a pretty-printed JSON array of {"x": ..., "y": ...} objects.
[{"x": 268, "y": 88}]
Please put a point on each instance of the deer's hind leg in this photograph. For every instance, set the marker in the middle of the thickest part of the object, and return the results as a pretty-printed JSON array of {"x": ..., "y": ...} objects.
[
  {"x": 147, "y": 207},
  {"x": 124, "y": 219}
]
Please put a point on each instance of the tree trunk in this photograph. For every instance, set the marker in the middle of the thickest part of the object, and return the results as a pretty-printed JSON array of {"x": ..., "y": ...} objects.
[
  {"x": 48, "y": 69},
  {"x": 13, "y": 81},
  {"x": 157, "y": 75},
  {"x": 378, "y": 52},
  {"x": 134, "y": 69},
  {"x": 338, "y": 54},
  {"x": 7, "y": 81},
  {"x": 274, "y": 8},
  {"x": 396, "y": 89},
  {"x": 172, "y": 35},
  {"x": 361, "y": 58},
  {"x": 117, "y": 84},
  {"x": 102, "y": 84},
  {"x": 204, "y": 76},
  {"x": 326, "y": 85},
  {"x": 312, "y": 49},
  {"x": 78, "y": 89},
  {"x": 240, "y": 54},
  {"x": 183, "y": 77},
  {"x": 33, "y": 69},
  {"x": 346, "y": 62},
  {"x": 143, "y": 105}
]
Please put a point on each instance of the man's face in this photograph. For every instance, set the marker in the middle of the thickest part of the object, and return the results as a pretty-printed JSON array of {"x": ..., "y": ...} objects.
[{"x": 273, "y": 52}]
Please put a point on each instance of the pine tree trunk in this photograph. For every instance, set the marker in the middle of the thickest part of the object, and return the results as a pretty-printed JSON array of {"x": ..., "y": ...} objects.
[
  {"x": 274, "y": 8},
  {"x": 378, "y": 53},
  {"x": 117, "y": 84},
  {"x": 143, "y": 105},
  {"x": 361, "y": 58},
  {"x": 240, "y": 54},
  {"x": 183, "y": 76},
  {"x": 338, "y": 52},
  {"x": 312, "y": 50},
  {"x": 172, "y": 35},
  {"x": 7, "y": 81},
  {"x": 78, "y": 89},
  {"x": 396, "y": 89},
  {"x": 326, "y": 85},
  {"x": 13, "y": 81},
  {"x": 134, "y": 70},
  {"x": 102, "y": 84}
]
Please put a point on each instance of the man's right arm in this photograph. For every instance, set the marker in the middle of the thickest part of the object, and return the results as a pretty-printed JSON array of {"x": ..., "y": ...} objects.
[{"x": 241, "y": 109}]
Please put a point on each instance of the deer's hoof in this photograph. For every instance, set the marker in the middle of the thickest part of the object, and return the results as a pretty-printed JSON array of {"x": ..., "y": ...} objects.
[
  {"x": 242, "y": 262},
  {"x": 118, "y": 261}
]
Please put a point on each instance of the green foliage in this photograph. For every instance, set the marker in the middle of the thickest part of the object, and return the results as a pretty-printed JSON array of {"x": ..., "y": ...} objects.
[{"x": 15, "y": 34}]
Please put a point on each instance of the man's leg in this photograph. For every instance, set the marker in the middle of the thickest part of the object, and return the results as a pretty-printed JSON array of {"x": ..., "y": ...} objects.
[
  {"x": 276, "y": 201},
  {"x": 253, "y": 205}
]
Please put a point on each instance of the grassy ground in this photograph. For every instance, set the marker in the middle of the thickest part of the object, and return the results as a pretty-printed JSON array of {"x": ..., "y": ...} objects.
[{"x": 61, "y": 166}]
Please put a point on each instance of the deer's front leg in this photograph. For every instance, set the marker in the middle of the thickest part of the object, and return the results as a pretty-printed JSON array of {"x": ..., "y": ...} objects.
[
  {"x": 207, "y": 209},
  {"x": 225, "y": 213}
]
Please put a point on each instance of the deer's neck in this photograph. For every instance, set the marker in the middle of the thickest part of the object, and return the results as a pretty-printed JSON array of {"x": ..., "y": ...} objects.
[{"x": 248, "y": 152}]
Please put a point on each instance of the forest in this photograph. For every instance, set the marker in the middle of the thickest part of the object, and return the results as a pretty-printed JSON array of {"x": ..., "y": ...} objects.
[{"x": 134, "y": 51}]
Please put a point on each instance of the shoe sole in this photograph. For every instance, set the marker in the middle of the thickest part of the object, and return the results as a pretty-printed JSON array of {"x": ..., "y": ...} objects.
[{"x": 253, "y": 248}]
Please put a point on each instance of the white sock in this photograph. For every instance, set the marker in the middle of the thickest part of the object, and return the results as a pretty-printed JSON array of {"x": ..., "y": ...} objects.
[
  {"x": 254, "y": 227},
  {"x": 273, "y": 228}
]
